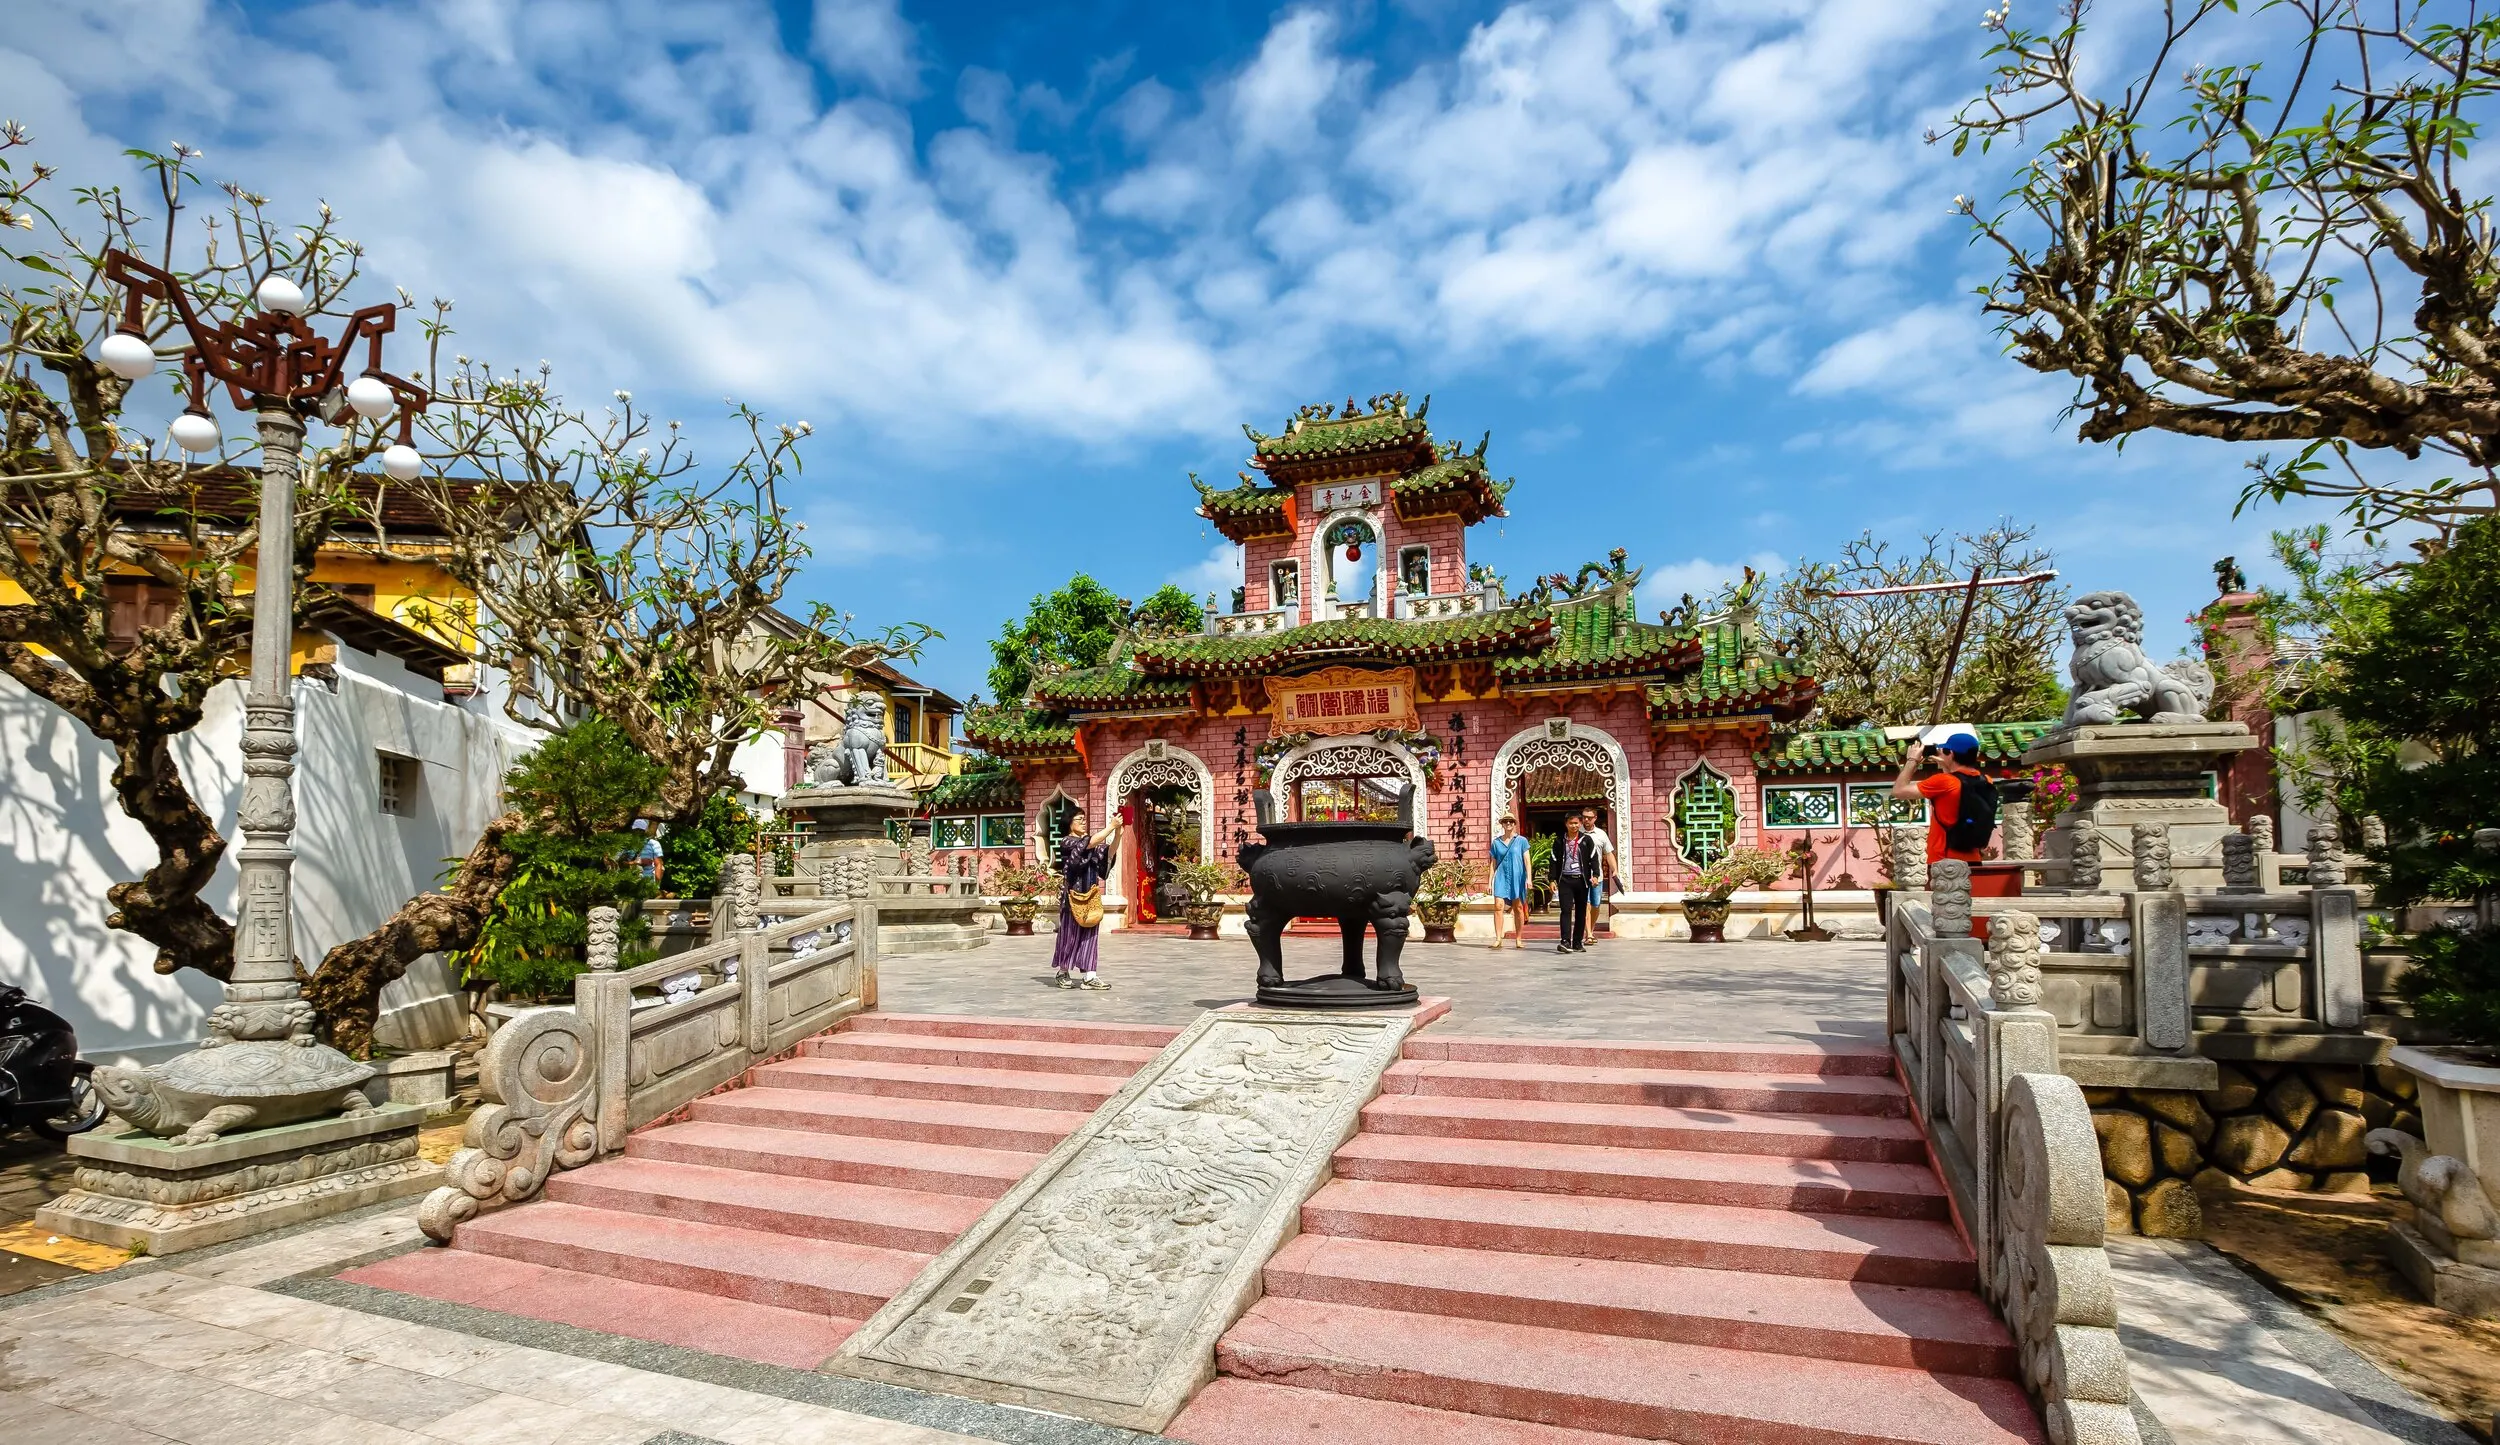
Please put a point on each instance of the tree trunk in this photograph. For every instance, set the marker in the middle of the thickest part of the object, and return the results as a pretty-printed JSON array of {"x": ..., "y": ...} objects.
[
  {"x": 163, "y": 905},
  {"x": 347, "y": 990}
]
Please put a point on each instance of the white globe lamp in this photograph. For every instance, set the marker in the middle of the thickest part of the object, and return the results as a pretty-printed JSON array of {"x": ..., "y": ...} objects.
[
  {"x": 401, "y": 462},
  {"x": 277, "y": 293},
  {"x": 195, "y": 432},
  {"x": 370, "y": 397},
  {"x": 126, "y": 356}
]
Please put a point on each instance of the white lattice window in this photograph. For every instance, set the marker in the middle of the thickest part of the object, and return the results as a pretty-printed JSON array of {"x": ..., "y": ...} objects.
[{"x": 399, "y": 782}]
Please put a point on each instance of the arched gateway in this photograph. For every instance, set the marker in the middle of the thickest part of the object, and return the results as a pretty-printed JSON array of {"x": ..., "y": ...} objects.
[{"x": 1559, "y": 746}]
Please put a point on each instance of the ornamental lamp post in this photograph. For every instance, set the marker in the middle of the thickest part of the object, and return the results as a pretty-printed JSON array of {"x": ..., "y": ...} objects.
[{"x": 259, "y": 1054}]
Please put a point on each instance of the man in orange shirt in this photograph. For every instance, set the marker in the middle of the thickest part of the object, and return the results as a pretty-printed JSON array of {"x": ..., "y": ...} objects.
[{"x": 1957, "y": 768}]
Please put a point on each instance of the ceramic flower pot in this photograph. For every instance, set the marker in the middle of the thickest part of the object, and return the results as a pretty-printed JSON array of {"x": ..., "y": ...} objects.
[
  {"x": 1202, "y": 918},
  {"x": 1707, "y": 917},
  {"x": 1440, "y": 919},
  {"x": 1019, "y": 913}
]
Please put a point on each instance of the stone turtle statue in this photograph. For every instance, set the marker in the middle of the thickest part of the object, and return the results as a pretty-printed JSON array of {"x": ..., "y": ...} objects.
[
  {"x": 1361, "y": 874},
  {"x": 2114, "y": 678},
  {"x": 228, "y": 1084}
]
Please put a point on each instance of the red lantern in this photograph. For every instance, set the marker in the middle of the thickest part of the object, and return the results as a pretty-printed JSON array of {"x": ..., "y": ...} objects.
[{"x": 1354, "y": 551}]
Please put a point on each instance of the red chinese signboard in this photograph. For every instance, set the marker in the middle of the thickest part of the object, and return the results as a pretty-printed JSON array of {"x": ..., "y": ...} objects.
[{"x": 1343, "y": 700}]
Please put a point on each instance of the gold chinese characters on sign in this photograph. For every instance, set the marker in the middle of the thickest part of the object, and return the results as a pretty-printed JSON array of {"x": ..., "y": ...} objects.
[{"x": 1343, "y": 700}]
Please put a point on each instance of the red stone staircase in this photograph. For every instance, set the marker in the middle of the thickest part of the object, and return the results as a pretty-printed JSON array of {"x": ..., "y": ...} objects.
[
  {"x": 776, "y": 1217},
  {"x": 1577, "y": 1243}
]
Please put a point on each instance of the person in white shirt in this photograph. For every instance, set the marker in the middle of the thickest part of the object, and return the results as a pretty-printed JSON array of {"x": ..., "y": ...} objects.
[{"x": 1607, "y": 879}]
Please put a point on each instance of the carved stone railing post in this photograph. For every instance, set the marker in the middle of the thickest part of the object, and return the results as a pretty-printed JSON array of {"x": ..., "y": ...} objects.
[
  {"x": 2239, "y": 863},
  {"x": 540, "y": 1072},
  {"x": 2373, "y": 833},
  {"x": 1949, "y": 883},
  {"x": 2017, "y": 829},
  {"x": 600, "y": 952},
  {"x": 2151, "y": 856},
  {"x": 2326, "y": 852},
  {"x": 745, "y": 891},
  {"x": 2261, "y": 829},
  {"x": 2050, "y": 1277},
  {"x": 1909, "y": 857},
  {"x": 2014, "y": 959},
  {"x": 2083, "y": 873}
]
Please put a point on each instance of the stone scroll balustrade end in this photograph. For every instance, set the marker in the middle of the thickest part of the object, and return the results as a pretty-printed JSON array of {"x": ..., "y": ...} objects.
[{"x": 2051, "y": 1277}]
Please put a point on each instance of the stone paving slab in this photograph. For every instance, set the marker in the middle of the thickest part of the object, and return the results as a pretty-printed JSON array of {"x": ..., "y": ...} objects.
[{"x": 1619, "y": 989}]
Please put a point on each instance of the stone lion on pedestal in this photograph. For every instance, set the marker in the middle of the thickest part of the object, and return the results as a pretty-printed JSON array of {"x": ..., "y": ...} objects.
[
  {"x": 859, "y": 757},
  {"x": 2114, "y": 678}
]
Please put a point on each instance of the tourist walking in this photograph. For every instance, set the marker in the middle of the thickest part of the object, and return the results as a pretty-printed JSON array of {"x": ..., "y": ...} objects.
[
  {"x": 1083, "y": 864},
  {"x": 1510, "y": 884},
  {"x": 1605, "y": 880},
  {"x": 1575, "y": 863}
]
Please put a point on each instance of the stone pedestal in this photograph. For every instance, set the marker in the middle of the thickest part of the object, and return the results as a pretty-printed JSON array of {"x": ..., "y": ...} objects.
[
  {"x": 2130, "y": 773},
  {"x": 137, "y": 1191},
  {"x": 847, "y": 847},
  {"x": 2450, "y": 1284}
]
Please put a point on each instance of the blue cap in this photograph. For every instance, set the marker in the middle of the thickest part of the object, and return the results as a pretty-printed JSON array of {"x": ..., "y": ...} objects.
[{"x": 1962, "y": 745}]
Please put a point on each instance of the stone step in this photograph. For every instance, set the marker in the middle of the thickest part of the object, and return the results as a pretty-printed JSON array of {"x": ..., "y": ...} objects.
[
  {"x": 1040, "y": 1056},
  {"x": 914, "y": 1220},
  {"x": 1671, "y": 1088},
  {"x": 930, "y": 1121},
  {"x": 1750, "y": 1181},
  {"x": 1695, "y": 1394},
  {"x": 1644, "y": 1126},
  {"x": 1875, "y": 1250},
  {"x": 892, "y": 1163},
  {"x": 1865, "y": 1060},
  {"x": 1009, "y": 1088},
  {"x": 1244, "y": 1412},
  {"x": 1932, "y": 1329},
  {"x": 826, "y": 1276},
  {"x": 798, "y": 1339},
  {"x": 966, "y": 1026}
]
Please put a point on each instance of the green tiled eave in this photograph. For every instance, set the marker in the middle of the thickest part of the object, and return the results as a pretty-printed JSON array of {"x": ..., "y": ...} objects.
[
  {"x": 1094, "y": 688},
  {"x": 1012, "y": 731},
  {"x": 1730, "y": 679},
  {"x": 1462, "y": 480},
  {"x": 1349, "y": 640},
  {"x": 1864, "y": 750},
  {"x": 1327, "y": 438},
  {"x": 992, "y": 790},
  {"x": 1600, "y": 637}
]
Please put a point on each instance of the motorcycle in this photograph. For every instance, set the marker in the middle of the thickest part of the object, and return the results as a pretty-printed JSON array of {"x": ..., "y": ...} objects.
[{"x": 44, "y": 1085}]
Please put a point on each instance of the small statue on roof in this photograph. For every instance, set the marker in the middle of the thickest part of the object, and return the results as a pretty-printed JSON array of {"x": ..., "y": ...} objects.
[{"x": 2228, "y": 578}]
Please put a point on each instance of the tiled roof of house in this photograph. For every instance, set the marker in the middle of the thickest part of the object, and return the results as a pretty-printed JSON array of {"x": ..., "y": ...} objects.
[
  {"x": 1088, "y": 689},
  {"x": 1349, "y": 640},
  {"x": 1867, "y": 750},
  {"x": 1319, "y": 433},
  {"x": 1247, "y": 511},
  {"x": 1600, "y": 637},
  {"x": 1458, "y": 482}
]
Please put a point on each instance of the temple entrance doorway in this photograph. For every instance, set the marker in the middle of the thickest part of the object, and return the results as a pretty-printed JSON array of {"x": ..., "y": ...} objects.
[
  {"x": 1163, "y": 834},
  {"x": 1546, "y": 798},
  {"x": 1346, "y": 799}
]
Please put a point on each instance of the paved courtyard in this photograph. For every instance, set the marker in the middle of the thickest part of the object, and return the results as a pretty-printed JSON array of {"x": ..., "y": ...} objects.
[{"x": 1619, "y": 989}]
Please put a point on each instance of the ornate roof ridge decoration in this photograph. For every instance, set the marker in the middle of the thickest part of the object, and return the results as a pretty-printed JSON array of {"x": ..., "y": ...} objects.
[
  {"x": 1321, "y": 441},
  {"x": 1866, "y": 749},
  {"x": 1248, "y": 511},
  {"x": 1735, "y": 676}
]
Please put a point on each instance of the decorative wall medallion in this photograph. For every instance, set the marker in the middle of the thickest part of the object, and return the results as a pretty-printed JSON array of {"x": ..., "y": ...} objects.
[{"x": 1704, "y": 812}]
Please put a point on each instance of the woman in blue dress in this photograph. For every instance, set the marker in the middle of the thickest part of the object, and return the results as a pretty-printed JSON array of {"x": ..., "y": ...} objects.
[
  {"x": 1083, "y": 864},
  {"x": 1510, "y": 883}
]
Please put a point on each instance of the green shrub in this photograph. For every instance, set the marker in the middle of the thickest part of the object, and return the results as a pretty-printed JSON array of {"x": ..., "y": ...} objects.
[
  {"x": 582, "y": 791},
  {"x": 691, "y": 858}
]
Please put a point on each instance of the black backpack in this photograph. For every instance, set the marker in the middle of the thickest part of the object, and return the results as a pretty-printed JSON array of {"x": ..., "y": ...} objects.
[{"x": 1975, "y": 820}]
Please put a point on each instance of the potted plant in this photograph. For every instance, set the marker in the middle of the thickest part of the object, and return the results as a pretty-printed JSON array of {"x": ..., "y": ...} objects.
[
  {"x": 1438, "y": 897},
  {"x": 1021, "y": 886},
  {"x": 1205, "y": 883},
  {"x": 1706, "y": 902}
]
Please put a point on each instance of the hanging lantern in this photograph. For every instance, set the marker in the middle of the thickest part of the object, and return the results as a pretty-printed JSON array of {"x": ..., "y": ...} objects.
[{"x": 1354, "y": 551}]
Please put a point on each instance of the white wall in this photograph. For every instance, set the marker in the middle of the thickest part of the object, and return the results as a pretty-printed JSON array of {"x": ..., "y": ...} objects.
[{"x": 64, "y": 839}]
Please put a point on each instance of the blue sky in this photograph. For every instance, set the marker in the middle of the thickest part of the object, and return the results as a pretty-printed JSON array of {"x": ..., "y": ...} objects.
[{"x": 1025, "y": 265}]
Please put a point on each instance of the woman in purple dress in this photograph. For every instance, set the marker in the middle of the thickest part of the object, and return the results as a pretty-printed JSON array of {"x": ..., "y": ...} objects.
[{"x": 1083, "y": 864}]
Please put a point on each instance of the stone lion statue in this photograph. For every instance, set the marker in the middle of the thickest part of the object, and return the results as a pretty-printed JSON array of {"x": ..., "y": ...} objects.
[
  {"x": 862, "y": 752},
  {"x": 2114, "y": 678}
]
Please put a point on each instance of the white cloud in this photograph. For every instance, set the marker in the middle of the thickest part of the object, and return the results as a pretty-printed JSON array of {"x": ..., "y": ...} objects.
[
  {"x": 868, "y": 41},
  {"x": 1218, "y": 572},
  {"x": 1702, "y": 576}
]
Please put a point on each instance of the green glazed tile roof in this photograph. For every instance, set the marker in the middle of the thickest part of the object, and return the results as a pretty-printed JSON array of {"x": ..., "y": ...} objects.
[
  {"x": 1867, "y": 750},
  {"x": 1013, "y": 730},
  {"x": 1349, "y": 640},
  {"x": 991, "y": 790},
  {"x": 1087, "y": 689},
  {"x": 1730, "y": 680},
  {"x": 1598, "y": 637},
  {"x": 1320, "y": 432},
  {"x": 1454, "y": 483},
  {"x": 1246, "y": 511}
]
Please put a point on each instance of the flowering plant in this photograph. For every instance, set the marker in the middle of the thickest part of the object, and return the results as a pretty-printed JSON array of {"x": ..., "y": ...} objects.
[
  {"x": 1445, "y": 880},
  {"x": 1020, "y": 879},
  {"x": 2053, "y": 791},
  {"x": 1741, "y": 868}
]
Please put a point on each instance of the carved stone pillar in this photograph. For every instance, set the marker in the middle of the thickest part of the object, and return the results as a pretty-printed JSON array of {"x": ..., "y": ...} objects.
[
  {"x": 1949, "y": 882},
  {"x": 2151, "y": 856},
  {"x": 1909, "y": 856},
  {"x": 2017, "y": 828},
  {"x": 600, "y": 951},
  {"x": 2239, "y": 861},
  {"x": 2014, "y": 959},
  {"x": 2085, "y": 874},
  {"x": 2373, "y": 833},
  {"x": 745, "y": 890},
  {"x": 2261, "y": 829},
  {"x": 2326, "y": 852}
]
